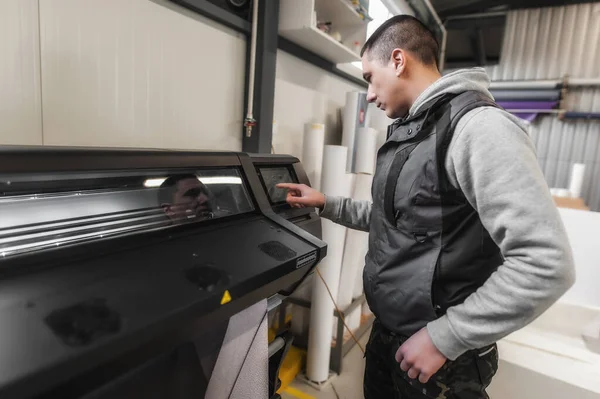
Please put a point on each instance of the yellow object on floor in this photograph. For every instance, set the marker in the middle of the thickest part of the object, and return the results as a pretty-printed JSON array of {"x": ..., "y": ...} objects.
[
  {"x": 298, "y": 393},
  {"x": 291, "y": 366}
]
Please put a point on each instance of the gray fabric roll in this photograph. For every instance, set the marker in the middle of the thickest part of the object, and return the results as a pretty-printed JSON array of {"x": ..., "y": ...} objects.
[{"x": 242, "y": 369}]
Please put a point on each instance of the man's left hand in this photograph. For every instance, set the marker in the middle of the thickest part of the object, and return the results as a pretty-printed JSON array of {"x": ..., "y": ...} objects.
[{"x": 419, "y": 357}]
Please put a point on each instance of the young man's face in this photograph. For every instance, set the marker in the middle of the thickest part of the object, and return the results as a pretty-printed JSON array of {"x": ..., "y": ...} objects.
[
  {"x": 385, "y": 85},
  {"x": 190, "y": 201}
]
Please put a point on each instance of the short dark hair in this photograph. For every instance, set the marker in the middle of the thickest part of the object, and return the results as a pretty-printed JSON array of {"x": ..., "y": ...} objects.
[
  {"x": 405, "y": 32},
  {"x": 169, "y": 187}
]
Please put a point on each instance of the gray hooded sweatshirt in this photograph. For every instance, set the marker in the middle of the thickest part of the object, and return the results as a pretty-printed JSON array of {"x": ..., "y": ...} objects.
[{"x": 492, "y": 160}]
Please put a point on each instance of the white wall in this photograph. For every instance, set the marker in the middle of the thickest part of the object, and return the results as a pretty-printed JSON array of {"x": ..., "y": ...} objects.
[
  {"x": 138, "y": 74},
  {"x": 583, "y": 229},
  {"x": 20, "y": 93},
  {"x": 124, "y": 73}
]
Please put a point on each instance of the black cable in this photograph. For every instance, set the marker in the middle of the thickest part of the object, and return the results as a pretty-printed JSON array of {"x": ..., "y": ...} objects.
[
  {"x": 246, "y": 356},
  {"x": 335, "y": 391}
]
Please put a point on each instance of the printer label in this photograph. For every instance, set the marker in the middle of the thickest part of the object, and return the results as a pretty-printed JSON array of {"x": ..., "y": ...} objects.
[{"x": 306, "y": 260}]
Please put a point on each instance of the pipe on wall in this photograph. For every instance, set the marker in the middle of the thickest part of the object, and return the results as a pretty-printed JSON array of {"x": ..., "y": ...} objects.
[
  {"x": 442, "y": 29},
  {"x": 249, "y": 121}
]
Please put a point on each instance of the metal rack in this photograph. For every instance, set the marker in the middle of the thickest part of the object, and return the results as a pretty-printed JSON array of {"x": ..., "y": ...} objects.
[{"x": 341, "y": 347}]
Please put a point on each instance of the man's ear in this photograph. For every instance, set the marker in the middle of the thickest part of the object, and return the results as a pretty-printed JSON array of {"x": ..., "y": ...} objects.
[{"x": 398, "y": 60}]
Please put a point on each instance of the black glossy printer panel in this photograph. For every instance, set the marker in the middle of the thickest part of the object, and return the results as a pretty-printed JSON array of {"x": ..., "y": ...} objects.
[{"x": 103, "y": 251}]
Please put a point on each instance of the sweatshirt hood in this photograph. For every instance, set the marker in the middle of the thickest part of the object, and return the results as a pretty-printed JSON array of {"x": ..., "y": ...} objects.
[{"x": 473, "y": 79}]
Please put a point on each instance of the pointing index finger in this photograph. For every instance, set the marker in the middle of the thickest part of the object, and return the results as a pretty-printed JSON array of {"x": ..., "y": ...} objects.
[{"x": 290, "y": 186}]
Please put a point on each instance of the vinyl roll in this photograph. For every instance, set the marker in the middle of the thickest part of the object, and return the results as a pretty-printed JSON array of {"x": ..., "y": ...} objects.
[
  {"x": 526, "y": 95},
  {"x": 577, "y": 175},
  {"x": 334, "y": 182},
  {"x": 312, "y": 152},
  {"x": 241, "y": 369},
  {"x": 354, "y": 117},
  {"x": 366, "y": 148},
  {"x": 538, "y": 105}
]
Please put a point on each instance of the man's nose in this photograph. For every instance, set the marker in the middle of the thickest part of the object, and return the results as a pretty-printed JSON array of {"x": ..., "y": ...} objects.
[{"x": 371, "y": 96}]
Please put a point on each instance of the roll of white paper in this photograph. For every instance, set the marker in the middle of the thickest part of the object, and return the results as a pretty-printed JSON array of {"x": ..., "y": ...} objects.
[
  {"x": 300, "y": 315},
  {"x": 354, "y": 116},
  {"x": 355, "y": 249},
  {"x": 577, "y": 175},
  {"x": 312, "y": 153},
  {"x": 366, "y": 149},
  {"x": 333, "y": 177},
  {"x": 366, "y": 311},
  {"x": 353, "y": 318},
  {"x": 362, "y": 191},
  {"x": 334, "y": 182}
]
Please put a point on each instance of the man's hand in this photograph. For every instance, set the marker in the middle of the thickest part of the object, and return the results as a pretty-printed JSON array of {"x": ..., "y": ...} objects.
[
  {"x": 419, "y": 357},
  {"x": 300, "y": 196}
]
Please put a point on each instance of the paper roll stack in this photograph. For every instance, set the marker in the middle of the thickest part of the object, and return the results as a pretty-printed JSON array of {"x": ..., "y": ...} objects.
[
  {"x": 354, "y": 117},
  {"x": 355, "y": 249},
  {"x": 576, "y": 184},
  {"x": 334, "y": 182},
  {"x": 366, "y": 311},
  {"x": 312, "y": 161},
  {"x": 366, "y": 149},
  {"x": 301, "y": 316},
  {"x": 312, "y": 152}
]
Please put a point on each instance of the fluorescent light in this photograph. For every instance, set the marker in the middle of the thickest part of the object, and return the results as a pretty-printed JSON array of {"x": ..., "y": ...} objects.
[
  {"x": 154, "y": 182},
  {"x": 221, "y": 180}
]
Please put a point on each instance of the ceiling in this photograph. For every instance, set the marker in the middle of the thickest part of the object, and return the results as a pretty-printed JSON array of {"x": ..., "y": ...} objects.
[
  {"x": 475, "y": 28},
  {"x": 449, "y": 8}
]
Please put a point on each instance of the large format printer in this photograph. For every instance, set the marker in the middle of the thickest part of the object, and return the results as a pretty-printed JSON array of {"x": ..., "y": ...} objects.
[{"x": 115, "y": 264}]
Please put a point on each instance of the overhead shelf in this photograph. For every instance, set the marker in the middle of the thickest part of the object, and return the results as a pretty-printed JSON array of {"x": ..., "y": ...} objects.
[
  {"x": 298, "y": 23},
  {"x": 341, "y": 12},
  {"x": 321, "y": 44}
]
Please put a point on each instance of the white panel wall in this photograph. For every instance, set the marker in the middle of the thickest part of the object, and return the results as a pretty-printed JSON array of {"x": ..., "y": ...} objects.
[
  {"x": 20, "y": 94},
  {"x": 138, "y": 73}
]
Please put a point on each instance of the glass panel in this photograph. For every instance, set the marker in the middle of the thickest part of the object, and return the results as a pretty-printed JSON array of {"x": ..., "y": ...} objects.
[
  {"x": 273, "y": 176},
  {"x": 47, "y": 211}
]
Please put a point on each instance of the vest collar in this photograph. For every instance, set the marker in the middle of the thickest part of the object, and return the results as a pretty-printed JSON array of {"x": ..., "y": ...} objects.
[{"x": 404, "y": 129}]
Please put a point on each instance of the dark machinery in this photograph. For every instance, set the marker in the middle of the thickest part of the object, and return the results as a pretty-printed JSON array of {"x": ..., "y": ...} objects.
[
  {"x": 112, "y": 261},
  {"x": 274, "y": 169}
]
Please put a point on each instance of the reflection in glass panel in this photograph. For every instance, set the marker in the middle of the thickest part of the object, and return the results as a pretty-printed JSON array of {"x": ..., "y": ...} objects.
[{"x": 69, "y": 208}]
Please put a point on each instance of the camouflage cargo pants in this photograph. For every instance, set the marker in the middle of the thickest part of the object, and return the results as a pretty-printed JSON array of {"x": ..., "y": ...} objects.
[{"x": 465, "y": 378}]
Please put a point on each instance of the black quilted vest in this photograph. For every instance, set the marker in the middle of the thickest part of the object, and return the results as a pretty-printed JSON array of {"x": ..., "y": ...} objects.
[{"x": 428, "y": 249}]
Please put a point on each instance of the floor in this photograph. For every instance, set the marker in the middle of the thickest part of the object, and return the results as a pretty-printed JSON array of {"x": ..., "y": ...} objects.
[{"x": 347, "y": 385}]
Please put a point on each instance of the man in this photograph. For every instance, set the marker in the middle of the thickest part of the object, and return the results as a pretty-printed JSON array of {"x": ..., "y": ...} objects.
[
  {"x": 185, "y": 199},
  {"x": 465, "y": 244}
]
